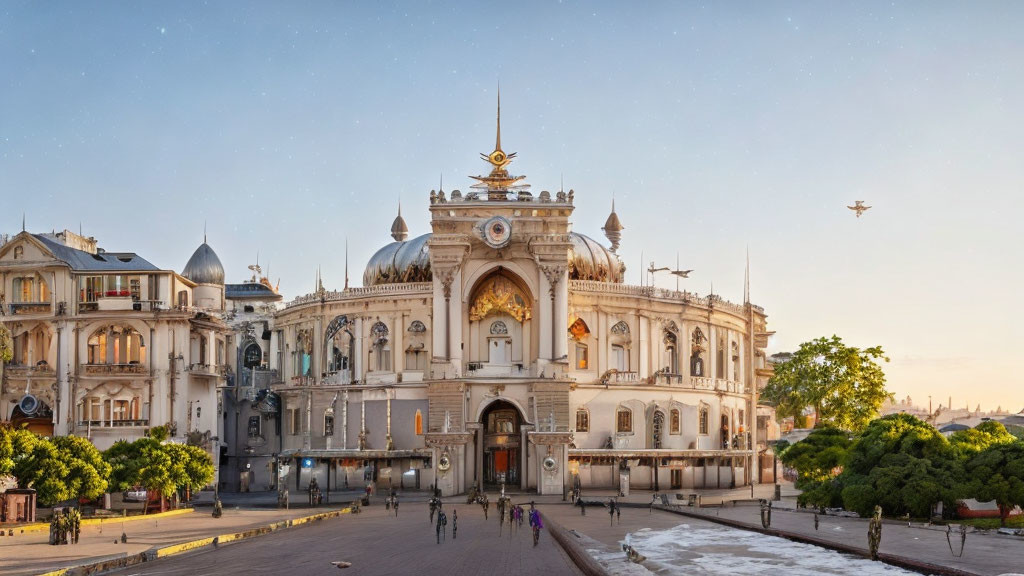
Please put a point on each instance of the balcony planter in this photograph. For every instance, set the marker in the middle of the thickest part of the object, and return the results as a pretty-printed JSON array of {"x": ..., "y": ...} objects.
[{"x": 116, "y": 300}]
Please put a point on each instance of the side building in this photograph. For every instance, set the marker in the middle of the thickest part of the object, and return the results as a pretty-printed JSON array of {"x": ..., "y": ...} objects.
[{"x": 106, "y": 344}]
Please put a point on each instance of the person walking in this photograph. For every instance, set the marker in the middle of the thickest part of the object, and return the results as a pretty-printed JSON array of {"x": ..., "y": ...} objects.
[
  {"x": 535, "y": 523},
  {"x": 455, "y": 523}
]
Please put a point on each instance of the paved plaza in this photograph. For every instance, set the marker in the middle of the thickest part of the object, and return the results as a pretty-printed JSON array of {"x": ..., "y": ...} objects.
[{"x": 376, "y": 542}]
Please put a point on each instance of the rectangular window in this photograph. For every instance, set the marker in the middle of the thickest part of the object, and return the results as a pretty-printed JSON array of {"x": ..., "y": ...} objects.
[
  {"x": 619, "y": 359},
  {"x": 582, "y": 421},
  {"x": 328, "y": 424},
  {"x": 254, "y": 426},
  {"x": 703, "y": 421},
  {"x": 624, "y": 421},
  {"x": 582, "y": 360},
  {"x": 415, "y": 360},
  {"x": 293, "y": 421},
  {"x": 674, "y": 424}
]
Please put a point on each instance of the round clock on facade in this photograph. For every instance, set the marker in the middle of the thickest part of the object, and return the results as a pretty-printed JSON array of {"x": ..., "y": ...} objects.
[{"x": 497, "y": 232}]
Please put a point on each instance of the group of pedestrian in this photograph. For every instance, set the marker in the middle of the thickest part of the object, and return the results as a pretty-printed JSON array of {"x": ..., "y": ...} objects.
[{"x": 65, "y": 527}]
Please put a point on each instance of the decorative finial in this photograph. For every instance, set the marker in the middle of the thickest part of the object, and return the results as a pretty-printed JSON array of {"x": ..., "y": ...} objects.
[
  {"x": 497, "y": 139},
  {"x": 613, "y": 228},
  {"x": 399, "y": 229},
  {"x": 23, "y": 221},
  {"x": 204, "y": 231},
  {"x": 346, "y": 262}
]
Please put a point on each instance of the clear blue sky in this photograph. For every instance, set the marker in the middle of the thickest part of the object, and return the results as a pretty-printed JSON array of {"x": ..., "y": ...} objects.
[{"x": 291, "y": 127}]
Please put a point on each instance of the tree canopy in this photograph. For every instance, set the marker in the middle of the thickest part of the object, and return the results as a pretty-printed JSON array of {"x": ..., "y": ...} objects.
[
  {"x": 158, "y": 467},
  {"x": 997, "y": 473},
  {"x": 61, "y": 468},
  {"x": 845, "y": 385},
  {"x": 818, "y": 459}
]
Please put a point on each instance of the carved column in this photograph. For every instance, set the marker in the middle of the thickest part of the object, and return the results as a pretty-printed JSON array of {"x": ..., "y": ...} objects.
[{"x": 557, "y": 293}]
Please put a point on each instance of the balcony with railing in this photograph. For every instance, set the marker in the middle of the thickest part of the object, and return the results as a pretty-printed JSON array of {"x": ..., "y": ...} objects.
[
  {"x": 132, "y": 369},
  {"x": 21, "y": 371},
  {"x": 27, "y": 308},
  {"x": 620, "y": 377},
  {"x": 213, "y": 370},
  {"x": 487, "y": 370},
  {"x": 96, "y": 424}
]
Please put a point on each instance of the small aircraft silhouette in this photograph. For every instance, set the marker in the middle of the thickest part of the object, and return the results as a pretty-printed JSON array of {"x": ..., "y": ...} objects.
[
  {"x": 859, "y": 207},
  {"x": 681, "y": 273}
]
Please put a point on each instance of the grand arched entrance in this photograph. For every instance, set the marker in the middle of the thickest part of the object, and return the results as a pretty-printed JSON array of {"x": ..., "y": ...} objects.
[{"x": 501, "y": 444}]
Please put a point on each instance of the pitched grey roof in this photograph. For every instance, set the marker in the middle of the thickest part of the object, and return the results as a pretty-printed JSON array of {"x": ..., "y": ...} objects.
[{"x": 80, "y": 260}]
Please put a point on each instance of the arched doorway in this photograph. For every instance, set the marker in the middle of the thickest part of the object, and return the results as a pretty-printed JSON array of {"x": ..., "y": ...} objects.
[{"x": 501, "y": 421}]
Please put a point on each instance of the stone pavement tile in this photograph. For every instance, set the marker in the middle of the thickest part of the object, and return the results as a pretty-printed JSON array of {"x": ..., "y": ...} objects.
[
  {"x": 378, "y": 543},
  {"x": 31, "y": 554}
]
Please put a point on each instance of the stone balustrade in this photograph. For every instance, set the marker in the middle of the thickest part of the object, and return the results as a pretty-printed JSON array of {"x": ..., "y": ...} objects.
[
  {"x": 363, "y": 292},
  {"x": 115, "y": 369}
]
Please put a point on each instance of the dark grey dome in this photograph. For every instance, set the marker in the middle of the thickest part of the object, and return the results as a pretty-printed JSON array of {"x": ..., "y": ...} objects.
[{"x": 204, "y": 266}]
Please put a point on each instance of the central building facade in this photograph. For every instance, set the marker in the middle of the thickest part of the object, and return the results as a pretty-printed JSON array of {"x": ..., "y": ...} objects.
[{"x": 503, "y": 348}]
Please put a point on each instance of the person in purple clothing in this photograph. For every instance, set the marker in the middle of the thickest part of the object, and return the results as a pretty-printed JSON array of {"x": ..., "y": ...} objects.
[{"x": 535, "y": 523}]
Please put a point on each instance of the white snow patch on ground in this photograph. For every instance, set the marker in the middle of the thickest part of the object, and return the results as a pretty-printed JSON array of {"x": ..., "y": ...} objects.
[{"x": 722, "y": 550}]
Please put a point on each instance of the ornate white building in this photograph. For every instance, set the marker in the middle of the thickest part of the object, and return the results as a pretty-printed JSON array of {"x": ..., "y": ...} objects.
[
  {"x": 503, "y": 347},
  {"x": 107, "y": 345}
]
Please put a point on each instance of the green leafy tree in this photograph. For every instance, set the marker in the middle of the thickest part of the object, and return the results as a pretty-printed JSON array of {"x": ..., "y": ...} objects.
[
  {"x": 997, "y": 473},
  {"x": 6, "y": 345},
  {"x": 192, "y": 467},
  {"x": 902, "y": 464},
  {"x": 157, "y": 467},
  {"x": 88, "y": 472},
  {"x": 967, "y": 443},
  {"x": 818, "y": 459},
  {"x": 62, "y": 468},
  {"x": 844, "y": 385}
]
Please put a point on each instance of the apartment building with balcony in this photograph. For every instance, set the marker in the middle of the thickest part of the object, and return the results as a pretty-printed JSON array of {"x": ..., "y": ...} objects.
[{"x": 106, "y": 344}]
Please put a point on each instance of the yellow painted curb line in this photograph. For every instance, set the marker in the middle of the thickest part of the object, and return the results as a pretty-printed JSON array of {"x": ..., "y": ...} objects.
[
  {"x": 45, "y": 526},
  {"x": 238, "y": 536},
  {"x": 174, "y": 549}
]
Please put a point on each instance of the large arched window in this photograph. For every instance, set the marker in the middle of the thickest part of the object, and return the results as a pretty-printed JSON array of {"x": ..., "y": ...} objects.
[
  {"x": 116, "y": 345},
  {"x": 697, "y": 352},
  {"x": 657, "y": 428},
  {"x": 381, "y": 347},
  {"x": 736, "y": 361},
  {"x": 720, "y": 358},
  {"x": 338, "y": 345},
  {"x": 702, "y": 420},
  {"x": 416, "y": 349},
  {"x": 671, "y": 356}
]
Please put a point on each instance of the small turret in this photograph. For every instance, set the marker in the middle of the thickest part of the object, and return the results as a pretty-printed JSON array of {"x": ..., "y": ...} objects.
[
  {"x": 399, "y": 229},
  {"x": 613, "y": 228}
]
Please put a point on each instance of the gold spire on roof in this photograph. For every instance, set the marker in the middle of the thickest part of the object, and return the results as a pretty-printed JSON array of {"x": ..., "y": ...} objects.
[{"x": 498, "y": 181}]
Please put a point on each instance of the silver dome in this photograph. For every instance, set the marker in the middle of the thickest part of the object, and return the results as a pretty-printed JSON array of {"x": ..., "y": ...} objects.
[
  {"x": 589, "y": 260},
  {"x": 204, "y": 266},
  {"x": 399, "y": 262},
  {"x": 409, "y": 261}
]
